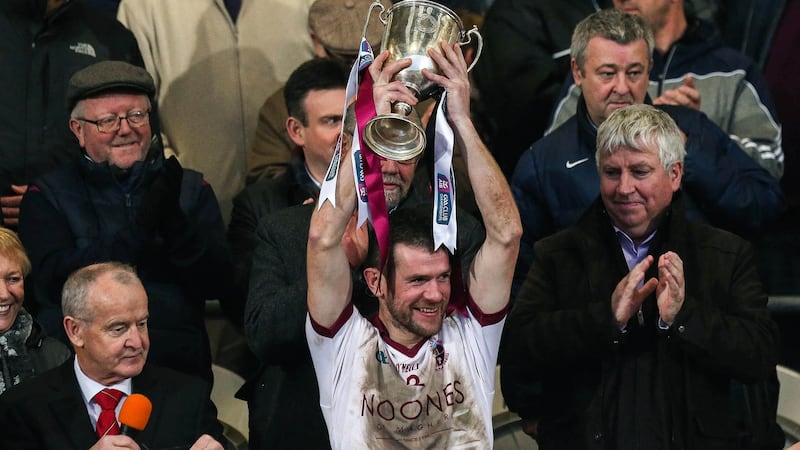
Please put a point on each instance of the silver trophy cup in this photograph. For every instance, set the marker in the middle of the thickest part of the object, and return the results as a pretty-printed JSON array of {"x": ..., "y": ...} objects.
[{"x": 411, "y": 28}]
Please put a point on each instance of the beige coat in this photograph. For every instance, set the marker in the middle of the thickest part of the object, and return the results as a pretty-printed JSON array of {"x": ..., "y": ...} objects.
[{"x": 213, "y": 75}]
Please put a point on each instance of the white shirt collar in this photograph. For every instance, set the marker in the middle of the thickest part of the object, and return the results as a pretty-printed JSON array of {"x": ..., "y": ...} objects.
[{"x": 90, "y": 388}]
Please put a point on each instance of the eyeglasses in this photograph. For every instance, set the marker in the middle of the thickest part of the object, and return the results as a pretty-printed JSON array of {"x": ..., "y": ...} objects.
[{"x": 111, "y": 124}]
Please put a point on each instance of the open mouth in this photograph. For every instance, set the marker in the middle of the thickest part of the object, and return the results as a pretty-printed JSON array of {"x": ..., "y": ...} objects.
[
  {"x": 125, "y": 145},
  {"x": 5, "y": 308}
]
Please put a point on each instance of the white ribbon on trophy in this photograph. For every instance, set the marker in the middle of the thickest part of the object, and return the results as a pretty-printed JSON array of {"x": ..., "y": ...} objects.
[
  {"x": 445, "y": 228},
  {"x": 328, "y": 188}
]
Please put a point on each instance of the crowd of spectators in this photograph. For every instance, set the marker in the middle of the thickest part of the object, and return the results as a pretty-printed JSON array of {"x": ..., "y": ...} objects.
[{"x": 186, "y": 142}]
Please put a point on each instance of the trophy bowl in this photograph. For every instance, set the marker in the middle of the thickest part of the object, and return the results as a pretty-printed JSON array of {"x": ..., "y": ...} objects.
[{"x": 411, "y": 28}]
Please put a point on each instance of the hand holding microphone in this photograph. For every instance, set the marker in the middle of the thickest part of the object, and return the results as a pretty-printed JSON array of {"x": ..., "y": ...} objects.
[
  {"x": 135, "y": 413},
  {"x": 133, "y": 417}
]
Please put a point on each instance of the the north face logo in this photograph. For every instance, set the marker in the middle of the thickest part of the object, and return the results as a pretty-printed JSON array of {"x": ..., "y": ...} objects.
[{"x": 84, "y": 49}]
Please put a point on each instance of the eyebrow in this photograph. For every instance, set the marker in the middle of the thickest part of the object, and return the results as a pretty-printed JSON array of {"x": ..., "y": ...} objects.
[{"x": 617, "y": 67}]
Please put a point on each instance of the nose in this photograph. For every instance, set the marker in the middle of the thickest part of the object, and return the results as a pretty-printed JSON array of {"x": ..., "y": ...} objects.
[
  {"x": 621, "y": 86},
  {"x": 4, "y": 294},
  {"x": 389, "y": 166},
  {"x": 124, "y": 126},
  {"x": 135, "y": 338},
  {"x": 626, "y": 184},
  {"x": 432, "y": 292}
]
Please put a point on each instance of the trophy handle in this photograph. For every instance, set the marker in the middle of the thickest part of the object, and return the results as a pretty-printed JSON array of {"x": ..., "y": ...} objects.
[
  {"x": 378, "y": 4},
  {"x": 473, "y": 31}
]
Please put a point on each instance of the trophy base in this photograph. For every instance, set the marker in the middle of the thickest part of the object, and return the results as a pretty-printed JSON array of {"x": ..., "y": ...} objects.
[{"x": 395, "y": 137}]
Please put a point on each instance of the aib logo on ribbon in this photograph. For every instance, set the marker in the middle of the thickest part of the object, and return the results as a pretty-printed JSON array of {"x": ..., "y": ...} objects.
[
  {"x": 362, "y": 186},
  {"x": 444, "y": 208}
]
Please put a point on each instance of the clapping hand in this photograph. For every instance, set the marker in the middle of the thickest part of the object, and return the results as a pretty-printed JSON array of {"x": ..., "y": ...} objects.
[
  {"x": 628, "y": 297},
  {"x": 685, "y": 95},
  {"x": 671, "y": 286}
]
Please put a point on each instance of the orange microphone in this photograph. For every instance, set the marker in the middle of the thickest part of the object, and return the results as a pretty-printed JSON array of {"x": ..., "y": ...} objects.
[{"x": 134, "y": 414}]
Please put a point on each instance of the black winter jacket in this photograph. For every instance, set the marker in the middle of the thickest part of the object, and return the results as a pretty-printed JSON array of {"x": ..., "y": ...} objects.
[
  {"x": 557, "y": 179},
  {"x": 566, "y": 362},
  {"x": 80, "y": 215}
]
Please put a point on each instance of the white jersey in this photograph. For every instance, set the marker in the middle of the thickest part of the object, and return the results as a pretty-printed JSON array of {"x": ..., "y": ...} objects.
[{"x": 376, "y": 394}]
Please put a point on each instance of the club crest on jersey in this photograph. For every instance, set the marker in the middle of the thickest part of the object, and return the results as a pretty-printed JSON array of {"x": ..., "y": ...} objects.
[{"x": 438, "y": 352}]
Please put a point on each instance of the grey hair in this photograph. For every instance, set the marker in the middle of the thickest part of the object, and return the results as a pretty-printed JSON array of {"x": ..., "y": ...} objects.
[
  {"x": 641, "y": 128},
  {"x": 610, "y": 24},
  {"x": 76, "y": 288}
]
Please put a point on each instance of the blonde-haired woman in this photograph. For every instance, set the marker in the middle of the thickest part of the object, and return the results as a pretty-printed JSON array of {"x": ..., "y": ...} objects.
[{"x": 24, "y": 349}]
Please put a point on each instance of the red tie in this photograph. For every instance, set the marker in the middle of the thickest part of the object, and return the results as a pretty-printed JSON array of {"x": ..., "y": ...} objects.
[{"x": 107, "y": 422}]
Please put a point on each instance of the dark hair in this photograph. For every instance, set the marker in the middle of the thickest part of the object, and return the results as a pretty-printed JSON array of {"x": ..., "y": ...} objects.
[
  {"x": 315, "y": 75},
  {"x": 411, "y": 226}
]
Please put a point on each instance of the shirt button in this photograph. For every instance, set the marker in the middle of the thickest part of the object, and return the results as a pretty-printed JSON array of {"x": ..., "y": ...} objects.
[
  {"x": 681, "y": 329},
  {"x": 598, "y": 436}
]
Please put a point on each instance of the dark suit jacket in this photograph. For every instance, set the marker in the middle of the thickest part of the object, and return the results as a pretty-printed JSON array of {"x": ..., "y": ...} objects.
[
  {"x": 251, "y": 206},
  {"x": 48, "y": 411}
]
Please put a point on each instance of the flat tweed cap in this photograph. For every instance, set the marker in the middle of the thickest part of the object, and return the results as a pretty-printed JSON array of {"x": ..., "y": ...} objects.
[
  {"x": 338, "y": 24},
  {"x": 105, "y": 76}
]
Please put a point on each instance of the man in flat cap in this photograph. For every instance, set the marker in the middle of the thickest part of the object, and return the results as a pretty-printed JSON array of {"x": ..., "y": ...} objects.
[
  {"x": 122, "y": 201},
  {"x": 42, "y": 43}
]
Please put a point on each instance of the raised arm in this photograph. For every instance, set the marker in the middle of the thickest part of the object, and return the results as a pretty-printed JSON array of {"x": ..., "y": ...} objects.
[
  {"x": 492, "y": 269},
  {"x": 329, "y": 278}
]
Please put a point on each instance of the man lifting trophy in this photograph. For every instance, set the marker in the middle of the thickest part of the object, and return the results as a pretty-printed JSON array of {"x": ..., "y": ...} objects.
[{"x": 418, "y": 37}]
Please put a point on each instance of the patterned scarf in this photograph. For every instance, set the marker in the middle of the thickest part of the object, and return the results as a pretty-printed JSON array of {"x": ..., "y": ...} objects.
[{"x": 15, "y": 361}]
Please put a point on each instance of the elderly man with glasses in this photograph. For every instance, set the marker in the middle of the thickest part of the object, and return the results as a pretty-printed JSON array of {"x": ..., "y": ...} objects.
[{"x": 123, "y": 201}]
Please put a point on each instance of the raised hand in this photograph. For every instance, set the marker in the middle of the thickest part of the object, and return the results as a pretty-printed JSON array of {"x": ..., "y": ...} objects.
[
  {"x": 385, "y": 92},
  {"x": 453, "y": 79}
]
